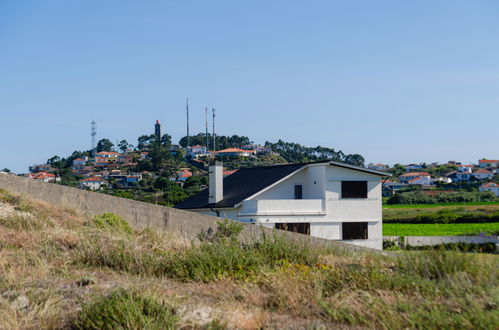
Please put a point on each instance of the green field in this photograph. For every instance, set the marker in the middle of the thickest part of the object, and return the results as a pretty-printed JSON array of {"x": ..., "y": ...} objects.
[{"x": 430, "y": 229}]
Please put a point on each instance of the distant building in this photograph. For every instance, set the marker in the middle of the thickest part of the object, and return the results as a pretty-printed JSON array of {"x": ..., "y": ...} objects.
[
  {"x": 235, "y": 152},
  {"x": 79, "y": 162},
  {"x": 491, "y": 186},
  {"x": 44, "y": 177},
  {"x": 414, "y": 167},
  {"x": 107, "y": 154},
  {"x": 457, "y": 176},
  {"x": 183, "y": 175},
  {"x": 412, "y": 175},
  {"x": 421, "y": 181},
  {"x": 196, "y": 151},
  {"x": 93, "y": 183},
  {"x": 378, "y": 167},
  {"x": 258, "y": 148},
  {"x": 483, "y": 174},
  {"x": 483, "y": 163}
]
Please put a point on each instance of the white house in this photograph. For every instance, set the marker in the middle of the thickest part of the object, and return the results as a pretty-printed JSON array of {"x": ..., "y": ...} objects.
[
  {"x": 491, "y": 186},
  {"x": 93, "y": 183},
  {"x": 406, "y": 177},
  {"x": 483, "y": 174},
  {"x": 330, "y": 200},
  {"x": 420, "y": 180}
]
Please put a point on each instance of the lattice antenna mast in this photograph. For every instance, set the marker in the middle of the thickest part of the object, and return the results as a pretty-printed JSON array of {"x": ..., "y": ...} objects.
[
  {"x": 206, "y": 122},
  {"x": 214, "y": 136},
  {"x": 93, "y": 134},
  {"x": 187, "y": 109}
]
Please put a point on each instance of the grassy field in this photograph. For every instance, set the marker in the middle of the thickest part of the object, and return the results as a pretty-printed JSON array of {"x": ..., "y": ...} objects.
[
  {"x": 410, "y": 213},
  {"x": 63, "y": 269},
  {"x": 440, "y": 229}
]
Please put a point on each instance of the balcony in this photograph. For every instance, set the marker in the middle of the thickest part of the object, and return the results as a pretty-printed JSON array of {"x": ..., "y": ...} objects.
[{"x": 283, "y": 207}]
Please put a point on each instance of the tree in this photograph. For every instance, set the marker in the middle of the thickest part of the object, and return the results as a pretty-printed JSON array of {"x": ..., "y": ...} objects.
[
  {"x": 144, "y": 141},
  {"x": 166, "y": 140},
  {"x": 104, "y": 145},
  {"x": 53, "y": 160},
  {"x": 6, "y": 170},
  {"x": 123, "y": 145}
]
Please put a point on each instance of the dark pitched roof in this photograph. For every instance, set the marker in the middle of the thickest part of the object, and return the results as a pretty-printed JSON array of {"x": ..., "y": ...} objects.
[
  {"x": 241, "y": 185},
  {"x": 248, "y": 181}
]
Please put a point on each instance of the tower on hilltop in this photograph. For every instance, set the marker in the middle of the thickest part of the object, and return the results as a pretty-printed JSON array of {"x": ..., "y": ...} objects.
[{"x": 157, "y": 131}]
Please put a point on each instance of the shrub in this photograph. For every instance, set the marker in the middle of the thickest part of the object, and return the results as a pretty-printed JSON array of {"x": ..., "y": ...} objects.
[
  {"x": 111, "y": 221},
  {"x": 125, "y": 310}
]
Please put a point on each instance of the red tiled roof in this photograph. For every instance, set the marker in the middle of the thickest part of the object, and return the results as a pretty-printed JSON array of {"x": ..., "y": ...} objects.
[
  {"x": 107, "y": 153},
  {"x": 482, "y": 171},
  {"x": 93, "y": 179},
  {"x": 488, "y": 161},
  {"x": 234, "y": 150},
  {"x": 490, "y": 185}
]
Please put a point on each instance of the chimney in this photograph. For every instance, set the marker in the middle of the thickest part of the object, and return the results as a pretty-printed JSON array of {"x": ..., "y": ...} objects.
[{"x": 216, "y": 183}]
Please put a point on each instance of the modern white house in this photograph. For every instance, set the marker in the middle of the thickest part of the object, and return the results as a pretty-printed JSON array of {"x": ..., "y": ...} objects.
[{"x": 329, "y": 200}]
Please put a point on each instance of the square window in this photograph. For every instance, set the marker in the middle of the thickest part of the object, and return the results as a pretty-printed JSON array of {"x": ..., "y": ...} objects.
[
  {"x": 354, "y": 230},
  {"x": 353, "y": 189}
]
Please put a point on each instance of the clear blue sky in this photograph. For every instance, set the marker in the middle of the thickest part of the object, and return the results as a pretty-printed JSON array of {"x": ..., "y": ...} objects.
[{"x": 396, "y": 81}]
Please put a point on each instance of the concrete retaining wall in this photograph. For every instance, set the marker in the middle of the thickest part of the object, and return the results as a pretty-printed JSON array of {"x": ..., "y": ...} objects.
[
  {"x": 437, "y": 240},
  {"x": 141, "y": 215}
]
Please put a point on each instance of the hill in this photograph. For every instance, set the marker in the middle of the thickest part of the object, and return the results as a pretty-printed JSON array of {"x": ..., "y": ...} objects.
[{"x": 62, "y": 269}]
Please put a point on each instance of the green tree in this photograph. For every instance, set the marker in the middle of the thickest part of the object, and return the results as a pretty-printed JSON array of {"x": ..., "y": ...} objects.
[
  {"x": 6, "y": 170},
  {"x": 104, "y": 145},
  {"x": 123, "y": 146}
]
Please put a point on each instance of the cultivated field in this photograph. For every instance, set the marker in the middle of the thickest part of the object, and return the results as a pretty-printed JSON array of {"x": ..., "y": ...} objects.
[
  {"x": 63, "y": 269},
  {"x": 440, "y": 229}
]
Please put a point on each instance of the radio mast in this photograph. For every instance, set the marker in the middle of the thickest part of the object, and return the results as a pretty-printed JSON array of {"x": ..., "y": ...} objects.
[
  {"x": 206, "y": 122},
  {"x": 214, "y": 136},
  {"x": 93, "y": 133},
  {"x": 187, "y": 109}
]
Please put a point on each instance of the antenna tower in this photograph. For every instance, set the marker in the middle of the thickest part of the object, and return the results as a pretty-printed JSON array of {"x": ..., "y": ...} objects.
[
  {"x": 214, "y": 137},
  {"x": 206, "y": 121},
  {"x": 187, "y": 109},
  {"x": 93, "y": 133}
]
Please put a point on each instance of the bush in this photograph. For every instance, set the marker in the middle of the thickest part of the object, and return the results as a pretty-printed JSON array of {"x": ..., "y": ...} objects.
[
  {"x": 419, "y": 197},
  {"x": 125, "y": 310},
  {"x": 111, "y": 221}
]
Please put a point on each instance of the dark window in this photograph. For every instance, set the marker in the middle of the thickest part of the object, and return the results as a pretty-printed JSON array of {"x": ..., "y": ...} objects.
[
  {"x": 353, "y": 189},
  {"x": 298, "y": 191},
  {"x": 302, "y": 228},
  {"x": 354, "y": 230}
]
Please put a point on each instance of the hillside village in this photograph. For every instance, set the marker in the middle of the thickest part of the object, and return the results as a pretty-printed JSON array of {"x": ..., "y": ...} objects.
[{"x": 160, "y": 172}]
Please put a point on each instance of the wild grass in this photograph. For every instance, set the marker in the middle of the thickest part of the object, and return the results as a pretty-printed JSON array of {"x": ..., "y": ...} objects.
[
  {"x": 122, "y": 309},
  {"x": 79, "y": 274}
]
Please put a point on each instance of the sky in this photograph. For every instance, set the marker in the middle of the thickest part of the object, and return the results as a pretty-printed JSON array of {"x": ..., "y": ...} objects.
[{"x": 395, "y": 81}]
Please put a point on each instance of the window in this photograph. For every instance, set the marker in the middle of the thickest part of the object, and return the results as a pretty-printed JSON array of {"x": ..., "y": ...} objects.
[
  {"x": 353, "y": 189},
  {"x": 354, "y": 230},
  {"x": 298, "y": 191},
  {"x": 302, "y": 228}
]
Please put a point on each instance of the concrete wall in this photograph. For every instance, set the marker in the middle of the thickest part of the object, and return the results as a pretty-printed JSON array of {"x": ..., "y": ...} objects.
[
  {"x": 140, "y": 215},
  {"x": 437, "y": 240}
]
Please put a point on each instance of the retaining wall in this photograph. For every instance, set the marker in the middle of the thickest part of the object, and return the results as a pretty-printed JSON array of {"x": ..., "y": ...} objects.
[
  {"x": 141, "y": 215},
  {"x": 437, "y": 240}
]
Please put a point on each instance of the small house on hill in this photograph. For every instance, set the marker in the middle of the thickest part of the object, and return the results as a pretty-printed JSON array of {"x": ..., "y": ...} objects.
[{"x": 329, "y": 200}]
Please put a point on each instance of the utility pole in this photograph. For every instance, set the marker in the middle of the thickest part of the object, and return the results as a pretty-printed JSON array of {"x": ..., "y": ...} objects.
[
  {"x": 214, "y": 137},
  {"x": 188, "y": 137}
]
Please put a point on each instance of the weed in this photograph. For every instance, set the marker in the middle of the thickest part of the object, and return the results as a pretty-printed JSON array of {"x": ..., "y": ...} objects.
[
  {"x": 126, "y": 310},
  {"x": 26, "y": 222},
  {"x": 111, "y": 221}
]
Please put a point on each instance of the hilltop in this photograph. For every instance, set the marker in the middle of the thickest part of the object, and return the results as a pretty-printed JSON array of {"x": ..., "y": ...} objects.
[{"x": 60, "y": 268}]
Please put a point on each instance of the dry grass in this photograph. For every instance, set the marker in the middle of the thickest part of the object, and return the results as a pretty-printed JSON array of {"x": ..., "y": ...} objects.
[{"x": 54, "y": 263}]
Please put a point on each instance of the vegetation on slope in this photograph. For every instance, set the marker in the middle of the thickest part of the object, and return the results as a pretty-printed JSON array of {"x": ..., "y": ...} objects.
[{"x": 65, "y": 270}]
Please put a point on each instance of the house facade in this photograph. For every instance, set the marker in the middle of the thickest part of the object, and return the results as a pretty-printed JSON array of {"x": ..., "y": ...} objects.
[
  {"x": 413, "y": 175},
  {"x": 484, "y": 163},
  {"x": 491, "y": 186},
  {"x": 329, "y": 200},
  {"x": 483, "y": 174}
]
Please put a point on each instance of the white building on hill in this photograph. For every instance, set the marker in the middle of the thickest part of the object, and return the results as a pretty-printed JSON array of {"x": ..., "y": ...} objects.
[{"x": 329, "y": 200}]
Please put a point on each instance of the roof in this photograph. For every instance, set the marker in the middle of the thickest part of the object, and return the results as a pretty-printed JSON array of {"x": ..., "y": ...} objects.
[
  {"x": 416, "y": 174},
  {"x": 248, "y": 181},
  {"x": 107, "y": 153},
  {"x": 490, "y": 185},
  {"x": 233, "y": 150},
  {"x": 93, "y": 179},
  {"x": 482, "y": 171},
  {"x": 488, "y": 161}
]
